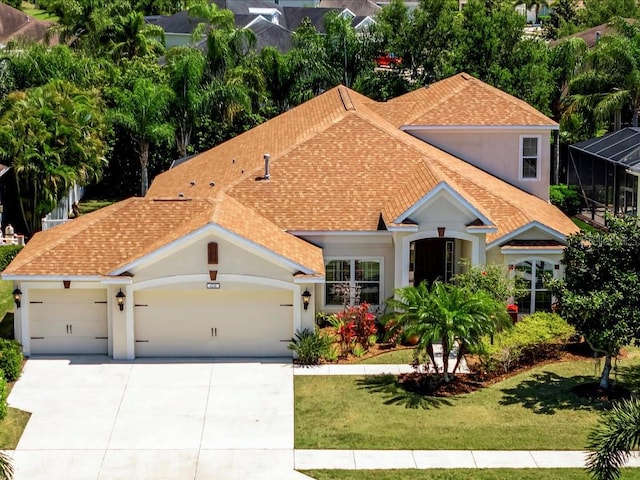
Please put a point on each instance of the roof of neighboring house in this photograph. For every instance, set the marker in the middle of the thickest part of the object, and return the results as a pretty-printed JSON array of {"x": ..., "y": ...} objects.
[
  {"x": 180, "y": 22},
  {"x": 15, "y": 24},
  {"x": 365, "y": 8},
  {"x": 271, "y": 35},
  {"x": 109, "y": 239},
  {"x": 461, "y": 100},
  {"x": 621, "y": 147},
  {"x": 335, "y": 165},
  {"x": 591, "y": 35},
  {"x": 293, "y": 17}
]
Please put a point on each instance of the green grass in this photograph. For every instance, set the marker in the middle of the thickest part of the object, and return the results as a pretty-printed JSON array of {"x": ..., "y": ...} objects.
[
  {"x": 11, "y": 428},
  {"x": 464, "y": 474},
  {"x": 89, "y": 206},
  {"x": 38, "y": 13},
  {"x": 394, "y": 357},
  {"x": 584, "y": 226},
  {"x": 534, "y": 410}
]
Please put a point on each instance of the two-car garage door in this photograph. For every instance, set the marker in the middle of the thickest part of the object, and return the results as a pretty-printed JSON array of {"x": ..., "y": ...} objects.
[{"x": 216, "y": 323}]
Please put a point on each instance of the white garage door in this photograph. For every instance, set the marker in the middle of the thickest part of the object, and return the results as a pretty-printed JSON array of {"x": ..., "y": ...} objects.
[
  {"x": 68, "y": 321},
  {"x": 249, "y": 323}
]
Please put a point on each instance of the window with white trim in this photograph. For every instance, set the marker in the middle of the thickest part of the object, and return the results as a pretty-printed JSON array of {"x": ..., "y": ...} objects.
[
  {"x": 529, "y": 157},
  {"x": 363, "y": 273},
  {"x": 538, "y": 298}
]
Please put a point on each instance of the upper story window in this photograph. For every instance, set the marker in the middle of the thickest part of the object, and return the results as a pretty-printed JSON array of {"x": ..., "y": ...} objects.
[
  {"x": 529, "y": 157},
  {"x": 361, "y": 275}
]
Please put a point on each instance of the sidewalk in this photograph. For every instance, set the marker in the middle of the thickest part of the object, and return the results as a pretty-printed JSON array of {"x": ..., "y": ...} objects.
[{"x": 425, "y": 459}]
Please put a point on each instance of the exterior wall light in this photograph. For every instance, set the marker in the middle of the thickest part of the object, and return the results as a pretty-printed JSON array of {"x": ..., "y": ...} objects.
[
  {"x": 306, "y": 296},
  {"x": 120, "y": 296},
  {"x": 17, "y": 296}
]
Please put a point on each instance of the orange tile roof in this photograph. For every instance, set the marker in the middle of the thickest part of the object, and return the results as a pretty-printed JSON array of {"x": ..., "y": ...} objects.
[
  {"x": 461, "y": 100},
  {"x": 338, "y": 163},
  {"x": 109, "y": 239}
]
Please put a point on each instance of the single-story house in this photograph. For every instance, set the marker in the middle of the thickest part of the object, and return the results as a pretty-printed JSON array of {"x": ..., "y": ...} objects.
[{"x": 234, "y": 250}]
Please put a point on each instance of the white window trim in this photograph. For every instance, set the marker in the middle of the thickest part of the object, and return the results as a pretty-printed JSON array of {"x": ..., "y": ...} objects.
[
  {"x": 521, "y": 158},
  {"x": 353, "y": 258},
  {"x": 534, "y": 260}
]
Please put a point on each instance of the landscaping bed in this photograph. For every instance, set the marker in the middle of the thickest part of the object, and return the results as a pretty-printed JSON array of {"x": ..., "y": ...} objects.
[{"x": 464, "y": 474}]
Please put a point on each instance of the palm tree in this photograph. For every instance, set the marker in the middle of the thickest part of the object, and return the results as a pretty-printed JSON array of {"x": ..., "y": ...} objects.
[
  {"x": 613, "y": 439},
  {"x": 446, "y": 314},
  {"x": 6, "y": 470},
  {"x": 142, "y": 111},
  {"x": 529, "y": 4}
]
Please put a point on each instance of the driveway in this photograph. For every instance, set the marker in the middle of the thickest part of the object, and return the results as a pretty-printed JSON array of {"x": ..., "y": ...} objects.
[{"x": 95, "y": 418}]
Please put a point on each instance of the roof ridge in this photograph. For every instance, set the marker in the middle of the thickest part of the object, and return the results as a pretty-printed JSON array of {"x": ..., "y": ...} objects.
[
  {"x": 345, "y": 97},
  {"x": 455, "y": 91}
]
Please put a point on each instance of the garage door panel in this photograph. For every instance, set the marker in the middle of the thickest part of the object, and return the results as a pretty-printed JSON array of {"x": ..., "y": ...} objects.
[
  {"x": 68, "y": 321},
  {"x": 214, "y": 323}
]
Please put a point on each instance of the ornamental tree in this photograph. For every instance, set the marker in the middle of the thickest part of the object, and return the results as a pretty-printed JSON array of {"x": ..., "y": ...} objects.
[{"x": 600, "y": 294}]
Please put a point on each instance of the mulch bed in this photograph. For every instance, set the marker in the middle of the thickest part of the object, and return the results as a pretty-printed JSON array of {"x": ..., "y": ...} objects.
[{"x": 593, "y": 392}]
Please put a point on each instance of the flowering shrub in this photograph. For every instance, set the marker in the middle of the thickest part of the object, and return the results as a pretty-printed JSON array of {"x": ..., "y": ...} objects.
[{"x": 354, "y": 326}]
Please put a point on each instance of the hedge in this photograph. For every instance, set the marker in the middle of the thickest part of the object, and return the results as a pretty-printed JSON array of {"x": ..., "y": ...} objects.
[
  {"x": 10, "y": 359},
  {"x": 4, "y": 393},
  {"x": 7, "y": 254},
  {"x": 536, "y": 337}
]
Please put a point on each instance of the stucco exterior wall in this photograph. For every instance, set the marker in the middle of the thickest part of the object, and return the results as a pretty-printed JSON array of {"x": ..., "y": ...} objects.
[{"x": 497, "y": 152}]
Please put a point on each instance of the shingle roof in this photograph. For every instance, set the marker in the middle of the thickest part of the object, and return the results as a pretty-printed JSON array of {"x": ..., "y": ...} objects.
[
  {"x": 15, "y": 24},
  {"x": 461, "y": 100},
  {"x": 336, "y": 164},
  {"x": 105, "y": 241},
  {"x": 359, "y": 7}
]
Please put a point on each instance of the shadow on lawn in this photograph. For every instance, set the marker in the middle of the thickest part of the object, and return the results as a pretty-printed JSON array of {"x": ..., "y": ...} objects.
[
  {"x": 547, "y": 392},
  {"x": 629, "y": 376},
  {"x": 394, "y": 394}
]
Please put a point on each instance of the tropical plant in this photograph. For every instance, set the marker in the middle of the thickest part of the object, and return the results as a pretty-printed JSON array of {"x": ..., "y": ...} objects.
[
  {"x": 310, "y": 346},
  {"x": 448, "y": 315},
  {"x": 492, "y": 279},
  {"x": 613, "y": 439},
  {"x": 600, "y": 293},
  {"x": 6, "y": 469},
  {"x": 345, "y": 330},
  {"x": 53, "y": 138}
]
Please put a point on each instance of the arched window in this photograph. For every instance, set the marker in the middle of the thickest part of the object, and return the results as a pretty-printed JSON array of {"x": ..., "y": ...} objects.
[{"x": 534, "y": 272}]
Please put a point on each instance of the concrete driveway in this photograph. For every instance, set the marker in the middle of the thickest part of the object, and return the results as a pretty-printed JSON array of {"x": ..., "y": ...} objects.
[{"x": 95, "y": 418}]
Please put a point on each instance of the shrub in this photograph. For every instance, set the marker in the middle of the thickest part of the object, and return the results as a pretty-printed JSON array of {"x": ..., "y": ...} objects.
[
  {"x": 566, "y": 198},
  {"x": 311, "y": 346},
  {"x": 7, "y": 254},
  {"x": 4, "y": 393},
  {"x": 537, "y": 336},
  {"x": 10, "y": 359}
]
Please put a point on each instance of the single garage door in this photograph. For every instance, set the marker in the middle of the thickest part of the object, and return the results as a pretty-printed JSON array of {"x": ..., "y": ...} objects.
[
  {"x": 248, "y": 323},
  {"x": 71, "y": 321}
]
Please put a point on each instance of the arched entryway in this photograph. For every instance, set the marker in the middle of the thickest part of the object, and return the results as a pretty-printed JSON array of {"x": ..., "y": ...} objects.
[{"x": 432, "y": 259}]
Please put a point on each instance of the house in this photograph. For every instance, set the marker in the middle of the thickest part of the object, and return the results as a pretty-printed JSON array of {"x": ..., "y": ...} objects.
[
  {"x": 234, "y": 250},
  {"x": 17, "y": 25},
  {"x": 605, "y": 170}
]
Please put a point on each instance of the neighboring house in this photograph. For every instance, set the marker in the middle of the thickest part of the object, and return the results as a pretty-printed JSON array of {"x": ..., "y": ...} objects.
[
  {"x": 606, "y": 170},
  {"x": 16, "y": 25},
  {"x": 220, "y": 256},
  {"x": 272, "y": 25}
]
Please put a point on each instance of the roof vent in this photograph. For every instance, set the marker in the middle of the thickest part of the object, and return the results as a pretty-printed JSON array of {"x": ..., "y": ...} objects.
[
  {"x": 598, "y": 35},
  {"x": 212, "y": 184},
  {"x": 192, "y": 183},
  {"x": 233, "y": 160},
  {"x": 267, "y": 157},
  {"x": 181, "y": 195}
]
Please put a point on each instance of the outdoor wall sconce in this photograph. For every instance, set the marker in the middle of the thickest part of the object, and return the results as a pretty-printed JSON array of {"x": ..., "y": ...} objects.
[
  {"x": 120, "y": 296},
  {"x": 306, "y": 296},
  {"x": 17, "y": 297}
]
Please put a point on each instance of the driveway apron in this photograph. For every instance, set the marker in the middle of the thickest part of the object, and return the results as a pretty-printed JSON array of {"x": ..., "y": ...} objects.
[{"x": 160, "y": 419}]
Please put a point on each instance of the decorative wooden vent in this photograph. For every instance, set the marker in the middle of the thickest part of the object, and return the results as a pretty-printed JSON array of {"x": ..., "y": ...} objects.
[{"x": 212, "y": 253}]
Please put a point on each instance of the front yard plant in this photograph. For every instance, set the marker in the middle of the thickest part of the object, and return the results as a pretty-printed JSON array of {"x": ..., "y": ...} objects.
[
  {"x": 311, "y": 346},
  {"x": 10, "y": 359}
]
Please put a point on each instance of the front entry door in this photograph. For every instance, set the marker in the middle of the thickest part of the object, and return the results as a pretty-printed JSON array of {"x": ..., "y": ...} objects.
[{"x": 433, "y": 260}]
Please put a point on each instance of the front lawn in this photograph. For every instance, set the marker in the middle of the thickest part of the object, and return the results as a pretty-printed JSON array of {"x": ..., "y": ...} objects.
[
  {"x": 397, "y": 356},
  {"x": 464, "y": 474},
  {"x": 534, "y": 410},
  {"x": 11, "y": 428}
]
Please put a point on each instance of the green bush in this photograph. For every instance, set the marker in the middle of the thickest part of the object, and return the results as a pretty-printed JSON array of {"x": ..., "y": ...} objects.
[
  {"x": 7, "y": 254},
  {"x": 4, "y": 393},
  {"x": 10, "y": 359},
  {"x": 311, "y": 346},
  {"x": 566, "y": 197},
  {"x": 536, "y": 337}
]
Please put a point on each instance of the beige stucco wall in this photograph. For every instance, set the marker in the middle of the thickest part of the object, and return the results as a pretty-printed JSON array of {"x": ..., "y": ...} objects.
[
  {"x": 191, "y": 259},
  {"x": 497, "y": 152}
]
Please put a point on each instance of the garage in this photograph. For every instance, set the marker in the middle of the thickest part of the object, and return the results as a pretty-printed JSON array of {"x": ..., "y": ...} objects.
[
  {"x": 213, "y": 323},
  {"x": 69, "y": 321}
]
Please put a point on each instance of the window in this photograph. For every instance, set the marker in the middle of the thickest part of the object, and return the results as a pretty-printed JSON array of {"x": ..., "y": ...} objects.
[
  {"x": 355, "y": 273},
  {"x": 529, "y": 157},
  {"x": 538, "y": 298}
]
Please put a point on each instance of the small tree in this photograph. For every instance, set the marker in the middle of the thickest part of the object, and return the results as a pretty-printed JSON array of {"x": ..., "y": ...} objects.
[
  {"x": 492, "y": 279},
  {"x": 601, "y": 290}
]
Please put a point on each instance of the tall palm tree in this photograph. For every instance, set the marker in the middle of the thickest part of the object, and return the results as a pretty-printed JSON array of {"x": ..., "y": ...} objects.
[
  {"x": 613, "y": 439},
  {"x": 446, "y": 314}
]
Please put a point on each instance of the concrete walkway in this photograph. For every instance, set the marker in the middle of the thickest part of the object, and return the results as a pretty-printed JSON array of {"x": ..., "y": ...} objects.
[{"x": 425, "y": 459}]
